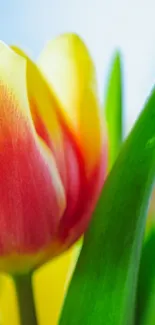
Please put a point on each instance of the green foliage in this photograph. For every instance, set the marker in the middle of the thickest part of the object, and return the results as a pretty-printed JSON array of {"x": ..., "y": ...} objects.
[
  {"x": 145, "y": 304},
  {"x": 103, "y": 287},
  {"x": 114, "y": 109}
]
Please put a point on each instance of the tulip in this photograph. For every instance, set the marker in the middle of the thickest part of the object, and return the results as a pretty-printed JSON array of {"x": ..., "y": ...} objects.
[{"x": 53, "y": 151}]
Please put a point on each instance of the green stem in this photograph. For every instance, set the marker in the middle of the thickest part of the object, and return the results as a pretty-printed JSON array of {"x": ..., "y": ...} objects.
[{"x": 24, "y": 291}]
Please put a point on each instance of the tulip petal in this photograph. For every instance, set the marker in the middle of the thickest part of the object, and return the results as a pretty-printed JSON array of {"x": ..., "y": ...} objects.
[
  {"x": 68, "y": 158},
  {"x": 44, "y": 107},
  {"x": 31, "y": 191},
  {"x": 70, "y": 74},
  {"x": 45, "y": 111},
  {"x": 69, "y": 70}
]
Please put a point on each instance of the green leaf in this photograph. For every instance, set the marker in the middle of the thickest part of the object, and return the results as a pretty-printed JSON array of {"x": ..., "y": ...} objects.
[
  {"x": 113, "y": 109},
  {"x": 103, "y": 287},
  {"x": 145, "y": 311}
]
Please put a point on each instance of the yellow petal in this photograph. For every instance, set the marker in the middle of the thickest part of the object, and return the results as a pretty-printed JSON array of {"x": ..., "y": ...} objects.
[
  {"x": 41, "y": 96},
  {"x": 8, "y": 300},
  {"x": 50, "y": 285},
  {"x": 13, "y": 78},
  {"x": 69, "y": 70}
]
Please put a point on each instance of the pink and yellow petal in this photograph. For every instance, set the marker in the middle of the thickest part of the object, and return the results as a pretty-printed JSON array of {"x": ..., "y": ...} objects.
[
  {"x": 32, "y": 195},
  {"x": 69, "y": 69},
  {"x": 44, "y": 107},
  {"x": 70, "y": 162}
]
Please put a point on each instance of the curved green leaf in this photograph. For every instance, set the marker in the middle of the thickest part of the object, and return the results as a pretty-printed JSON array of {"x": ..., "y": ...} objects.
[
  {"x": 103, "y": 287},
  {"x": 145, "y": 307},
  {"x": 113, "y": 109}
]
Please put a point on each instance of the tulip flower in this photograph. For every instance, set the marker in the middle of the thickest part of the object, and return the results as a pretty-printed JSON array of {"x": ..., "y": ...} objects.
[{"x": 53, "y": 151}]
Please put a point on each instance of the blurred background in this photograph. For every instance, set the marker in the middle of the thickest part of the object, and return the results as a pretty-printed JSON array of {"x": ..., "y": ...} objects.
[{"x": 104, "y": 25}]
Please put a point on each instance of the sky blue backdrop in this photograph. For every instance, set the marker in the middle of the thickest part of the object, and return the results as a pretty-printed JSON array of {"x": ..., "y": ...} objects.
[{"x": 103, "y": 24}]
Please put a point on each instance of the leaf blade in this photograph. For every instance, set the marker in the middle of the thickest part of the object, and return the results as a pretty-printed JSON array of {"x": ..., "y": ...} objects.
[
  {"x": 114, "y": 108},
  {"x": 146, "y": 283}
]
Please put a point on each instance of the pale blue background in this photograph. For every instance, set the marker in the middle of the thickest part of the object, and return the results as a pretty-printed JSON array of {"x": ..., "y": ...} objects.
[{"x": 104, "y": 25}]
